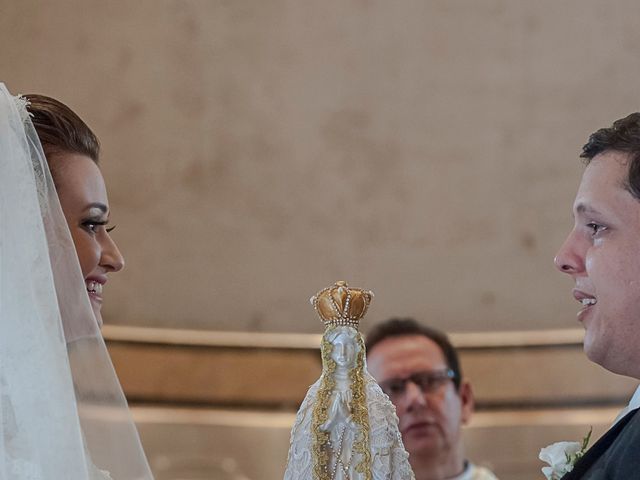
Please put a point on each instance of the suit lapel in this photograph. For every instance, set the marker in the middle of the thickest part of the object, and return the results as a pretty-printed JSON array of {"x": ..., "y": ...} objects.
[{"x": 601, "y": 446}]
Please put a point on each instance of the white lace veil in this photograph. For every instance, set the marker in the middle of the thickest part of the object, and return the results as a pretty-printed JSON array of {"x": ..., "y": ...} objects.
[{"x": 63, "y": 413}]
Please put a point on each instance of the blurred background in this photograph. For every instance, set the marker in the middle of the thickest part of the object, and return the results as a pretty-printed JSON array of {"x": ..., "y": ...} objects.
[{"x": 257, "y": 151}]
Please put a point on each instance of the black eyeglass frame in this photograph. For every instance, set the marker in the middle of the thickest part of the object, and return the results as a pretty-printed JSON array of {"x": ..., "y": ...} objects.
[{"x": 428, "y": 382}]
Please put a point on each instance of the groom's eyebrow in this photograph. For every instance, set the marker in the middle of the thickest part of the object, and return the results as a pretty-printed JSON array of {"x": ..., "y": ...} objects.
[{"x": 584, "y": 208}]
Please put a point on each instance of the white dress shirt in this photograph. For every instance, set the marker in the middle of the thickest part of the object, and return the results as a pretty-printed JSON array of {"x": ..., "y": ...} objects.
[{"x": 633, "y": 403}]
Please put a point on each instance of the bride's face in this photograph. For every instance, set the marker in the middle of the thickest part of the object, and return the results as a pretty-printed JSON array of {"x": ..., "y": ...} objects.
[{"x": 83, "y": 197}]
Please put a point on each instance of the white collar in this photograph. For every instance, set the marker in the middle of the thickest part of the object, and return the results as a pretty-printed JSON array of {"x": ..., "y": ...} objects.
[
  {"x": 473, "y": 472},
  {"x": 466, "y": 473},
  {"x": 635, "y": 400},
  {"x": 633, "y": 403}
]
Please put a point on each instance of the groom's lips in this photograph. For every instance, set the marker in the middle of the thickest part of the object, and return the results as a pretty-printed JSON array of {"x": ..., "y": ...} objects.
[{"x": 586, "y": 300}]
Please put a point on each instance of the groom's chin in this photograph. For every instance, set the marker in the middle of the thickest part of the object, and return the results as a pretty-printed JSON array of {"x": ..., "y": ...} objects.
[
  {"x": 592, "y": 349},
  {"x": 598, "y": 353}
]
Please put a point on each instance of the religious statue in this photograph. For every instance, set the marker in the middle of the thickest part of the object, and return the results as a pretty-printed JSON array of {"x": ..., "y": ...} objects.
[{"x": 346, "y": 427}]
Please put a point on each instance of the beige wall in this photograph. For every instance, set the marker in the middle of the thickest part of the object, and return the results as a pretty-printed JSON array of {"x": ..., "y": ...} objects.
[{"x": 256, "y": 151}]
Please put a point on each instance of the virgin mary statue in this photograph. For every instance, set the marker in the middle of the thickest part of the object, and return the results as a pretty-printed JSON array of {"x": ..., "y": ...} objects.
[{"x": 346, "y": 427}]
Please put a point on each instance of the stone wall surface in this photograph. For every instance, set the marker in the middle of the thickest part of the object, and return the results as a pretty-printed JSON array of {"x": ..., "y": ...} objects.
[{"x": 257, "y": 151}]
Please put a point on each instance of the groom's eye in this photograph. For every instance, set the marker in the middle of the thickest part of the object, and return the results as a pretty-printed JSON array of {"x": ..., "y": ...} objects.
[{"x": 595, "y": 228}]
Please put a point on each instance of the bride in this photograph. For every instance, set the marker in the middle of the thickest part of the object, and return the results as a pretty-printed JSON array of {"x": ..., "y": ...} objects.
[{"x": 62, "y": 411}]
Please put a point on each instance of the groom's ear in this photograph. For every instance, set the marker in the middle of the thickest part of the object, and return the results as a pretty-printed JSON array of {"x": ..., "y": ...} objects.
[{"x": 467, "y": 402}]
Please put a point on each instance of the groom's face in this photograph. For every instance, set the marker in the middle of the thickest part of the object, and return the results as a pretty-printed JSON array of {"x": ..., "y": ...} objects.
[{"x": 602, "y": 255}]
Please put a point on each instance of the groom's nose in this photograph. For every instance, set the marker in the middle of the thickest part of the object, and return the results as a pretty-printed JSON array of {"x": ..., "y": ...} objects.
[{"x": 570, "y": 258}]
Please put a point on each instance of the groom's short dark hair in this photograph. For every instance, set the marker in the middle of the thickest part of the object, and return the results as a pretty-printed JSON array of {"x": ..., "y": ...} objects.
[
  {"x": 396, "y": 327},
  {"x": 623, "y": 136}
]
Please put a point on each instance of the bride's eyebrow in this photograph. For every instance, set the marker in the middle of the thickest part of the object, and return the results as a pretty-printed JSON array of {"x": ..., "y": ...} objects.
[{"x": 100, "y": 206}]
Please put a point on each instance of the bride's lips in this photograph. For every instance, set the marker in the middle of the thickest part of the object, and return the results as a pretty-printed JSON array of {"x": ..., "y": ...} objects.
[
  {"x": 94, "y": 285},
  {"x": 587, "y": 301}
]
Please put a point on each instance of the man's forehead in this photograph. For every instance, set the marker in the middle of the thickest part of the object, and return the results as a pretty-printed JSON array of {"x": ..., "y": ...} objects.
[
  {"x": 401, "y": 355},
  {"x": 607, "y": 169},
  {"x": 585, "y": 208},
  {"x": 604, "y": 181}
]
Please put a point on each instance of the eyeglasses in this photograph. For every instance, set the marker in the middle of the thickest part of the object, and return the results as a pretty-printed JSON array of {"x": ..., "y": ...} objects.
[{"x": 427, "y": 382}]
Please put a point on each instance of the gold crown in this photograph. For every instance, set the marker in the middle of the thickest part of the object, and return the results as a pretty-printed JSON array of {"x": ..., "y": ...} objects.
[{"x": 340, "y": 305}]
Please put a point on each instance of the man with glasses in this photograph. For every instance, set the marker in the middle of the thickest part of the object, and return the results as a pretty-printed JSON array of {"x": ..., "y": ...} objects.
[{"x": 419, "y": 369}]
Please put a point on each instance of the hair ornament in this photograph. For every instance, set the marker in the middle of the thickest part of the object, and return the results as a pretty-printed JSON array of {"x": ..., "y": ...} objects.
[{"x": 21, "y": 104}]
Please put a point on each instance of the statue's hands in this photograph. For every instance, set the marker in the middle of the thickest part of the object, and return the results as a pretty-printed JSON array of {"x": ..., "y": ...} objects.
[
  {"x": 331, "y": 416},
  {"x": 345, "y": 411},
  {"x": 339, "y": 411},
  {"x": 326, "y": 426},
  {"x": 349, "y": 421}
]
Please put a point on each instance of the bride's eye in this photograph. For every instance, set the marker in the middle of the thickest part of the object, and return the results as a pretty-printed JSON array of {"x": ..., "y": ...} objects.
[{"x": 93, "y": 225}]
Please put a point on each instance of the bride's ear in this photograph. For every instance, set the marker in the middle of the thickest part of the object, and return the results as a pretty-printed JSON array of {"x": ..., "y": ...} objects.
[{"x": 467, "y": 401}]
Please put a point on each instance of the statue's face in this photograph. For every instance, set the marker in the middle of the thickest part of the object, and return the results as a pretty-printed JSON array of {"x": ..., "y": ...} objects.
[{"x": 344, "y": 350}]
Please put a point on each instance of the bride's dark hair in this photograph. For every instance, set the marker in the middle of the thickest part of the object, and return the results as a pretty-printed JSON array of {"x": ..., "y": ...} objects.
[{"x": 60, "y": 129}]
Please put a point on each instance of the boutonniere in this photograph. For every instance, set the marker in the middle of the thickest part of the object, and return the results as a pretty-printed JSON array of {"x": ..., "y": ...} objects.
[{"x": 562, "y": 456}]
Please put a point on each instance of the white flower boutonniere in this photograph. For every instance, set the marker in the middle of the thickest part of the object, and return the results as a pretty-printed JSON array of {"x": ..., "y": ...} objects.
[{"x": 562, "y": 456}]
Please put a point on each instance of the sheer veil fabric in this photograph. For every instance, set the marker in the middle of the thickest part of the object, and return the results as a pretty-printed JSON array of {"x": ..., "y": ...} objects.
[{"x": 63, "y": 412}]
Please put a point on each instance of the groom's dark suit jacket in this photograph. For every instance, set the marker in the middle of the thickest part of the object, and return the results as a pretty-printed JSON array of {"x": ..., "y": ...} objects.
[{"x": 616, "y": 456}]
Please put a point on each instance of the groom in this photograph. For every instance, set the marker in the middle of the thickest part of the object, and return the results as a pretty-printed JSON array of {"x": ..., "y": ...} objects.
[{"x": 602, "y": 255}]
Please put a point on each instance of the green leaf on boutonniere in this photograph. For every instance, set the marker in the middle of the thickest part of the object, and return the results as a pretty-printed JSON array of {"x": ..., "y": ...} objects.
[{"x": 583, "y": 449}]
